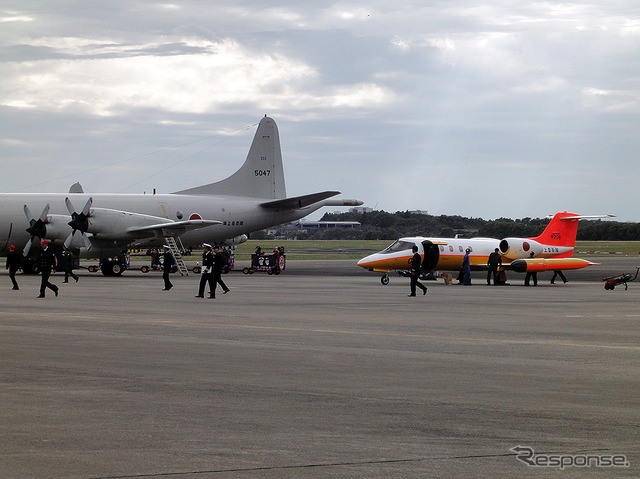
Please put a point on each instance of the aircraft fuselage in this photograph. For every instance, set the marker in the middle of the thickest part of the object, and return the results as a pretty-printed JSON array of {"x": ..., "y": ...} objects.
[{"x": 237, "y": 215}]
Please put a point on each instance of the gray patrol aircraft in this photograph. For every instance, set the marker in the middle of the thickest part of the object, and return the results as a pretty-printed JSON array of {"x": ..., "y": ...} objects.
[{"x": 251, "y": 199}]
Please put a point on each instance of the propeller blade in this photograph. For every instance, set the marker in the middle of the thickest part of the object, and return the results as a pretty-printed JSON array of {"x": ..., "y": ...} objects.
[
  {"x": 87, "y": 242},
  {"x": 87, "y": 207},
  {"x": 26, "y": 249},
  {"x": 28, "y": 214},
  {"x": 45, "y": 213},
  {"x": 67, "y": 242},
  {"x": 70, "y": 207}
]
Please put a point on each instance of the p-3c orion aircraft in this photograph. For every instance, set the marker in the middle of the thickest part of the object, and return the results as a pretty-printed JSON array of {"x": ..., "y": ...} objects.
[
  {"x": 251, "y": 199},
  {"x": 550, "y": 251}
]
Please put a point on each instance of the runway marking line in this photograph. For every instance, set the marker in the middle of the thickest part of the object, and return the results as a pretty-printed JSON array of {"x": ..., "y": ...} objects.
[
  {"x": 375, "y": 333},
  {"x": 429, "y": 336}
]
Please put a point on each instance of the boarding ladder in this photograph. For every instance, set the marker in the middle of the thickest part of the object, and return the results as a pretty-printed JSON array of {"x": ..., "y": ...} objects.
[{"x": 177, "y": 253}]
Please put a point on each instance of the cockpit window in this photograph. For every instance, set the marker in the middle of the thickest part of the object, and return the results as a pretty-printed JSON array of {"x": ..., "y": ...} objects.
[{"x": 398, "y": 246}]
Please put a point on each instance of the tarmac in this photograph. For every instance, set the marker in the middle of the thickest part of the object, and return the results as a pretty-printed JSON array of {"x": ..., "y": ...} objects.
[{"x": 320, "y": 372}]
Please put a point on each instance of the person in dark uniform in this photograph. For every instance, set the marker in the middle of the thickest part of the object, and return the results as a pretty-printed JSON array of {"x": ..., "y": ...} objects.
[
  {"x": 558, "y": 272},
  {"x": 416, "y": 262},
  {"x": 207, "y": 271},
  {"x": 14, "y": 263},
  {"x": 166, "y": 268},
  {"x": 493, "y": 262},
  {"x": 531, "y": 275},
  {"x": 218, "y": 265},
  {"x": 67, "y": 255},
  {"x": 47, "y": 265}
]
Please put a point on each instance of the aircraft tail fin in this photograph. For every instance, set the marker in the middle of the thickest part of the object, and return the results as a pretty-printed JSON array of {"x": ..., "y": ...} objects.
[
  {"x": 261, "y": 175},
  {"x": 561, "y": 230}
]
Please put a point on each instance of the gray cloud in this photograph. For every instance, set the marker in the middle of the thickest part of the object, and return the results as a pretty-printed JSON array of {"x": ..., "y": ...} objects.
[{"x": 489, "y": 110}]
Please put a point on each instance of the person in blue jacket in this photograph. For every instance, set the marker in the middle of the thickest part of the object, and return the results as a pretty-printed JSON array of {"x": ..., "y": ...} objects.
[{"x": 466, "y": 268}]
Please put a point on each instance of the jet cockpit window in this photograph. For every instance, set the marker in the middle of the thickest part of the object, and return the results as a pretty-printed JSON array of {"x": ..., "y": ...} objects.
[{"x": 398, "y": 246}]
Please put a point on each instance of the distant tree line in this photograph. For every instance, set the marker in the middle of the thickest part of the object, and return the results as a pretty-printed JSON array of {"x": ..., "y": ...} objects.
[{"x": 389, "y": 226}]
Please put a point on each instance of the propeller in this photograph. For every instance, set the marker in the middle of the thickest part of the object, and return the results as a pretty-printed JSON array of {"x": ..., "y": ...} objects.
[
  {"x": 79, "y": 222},
  {"x": 37, "y": 228}
]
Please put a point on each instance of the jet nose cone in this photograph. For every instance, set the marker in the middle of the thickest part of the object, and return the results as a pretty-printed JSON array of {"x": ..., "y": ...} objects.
[{"x": 363, "y": 262}]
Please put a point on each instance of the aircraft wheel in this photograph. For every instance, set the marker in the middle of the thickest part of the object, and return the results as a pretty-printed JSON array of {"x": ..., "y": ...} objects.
[
  {"x": 117, "y": 269},
  {"x": 269, "y": 272},
  {"x": 93, "y": 269},
  {"x": 145, "y": 269},
  {"x": 384, "y": 279},
  {"x": 245, "y": 270},
  {"x": 196, "y": 269},
  {"x": 106, "y": 268}
]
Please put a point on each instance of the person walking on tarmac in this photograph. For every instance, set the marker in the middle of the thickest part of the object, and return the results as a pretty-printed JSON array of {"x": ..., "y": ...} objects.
[
  {"x": 166, "y": 267},
  {"x": 531, "y": 275},
  {"x": 14, "y": 263},
  {"x": 494, "y": 261},
  {"x": 67, "y": 255},
  {"x": 218, "y": 265},
  {"x": 416, "y": 262},
  {"x": 558, "y": 272},
  {"x": 207, "y": 272},
  {"x": 47, "y": 265},
  {"x": 466, "y": 268}
]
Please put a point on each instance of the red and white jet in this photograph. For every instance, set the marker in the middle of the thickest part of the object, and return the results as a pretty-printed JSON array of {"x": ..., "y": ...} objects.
[{"x": 550, "y": 251}]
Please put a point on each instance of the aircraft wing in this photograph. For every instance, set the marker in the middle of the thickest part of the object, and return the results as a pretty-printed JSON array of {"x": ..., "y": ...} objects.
[
  {"x": 296, "y": 202},
  {"x": 536, "y": 265},
  {"x": 176, "y": 226}
]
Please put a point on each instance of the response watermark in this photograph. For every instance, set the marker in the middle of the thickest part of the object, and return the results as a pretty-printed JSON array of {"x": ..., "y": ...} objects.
[{"x": 529, "y": 457}]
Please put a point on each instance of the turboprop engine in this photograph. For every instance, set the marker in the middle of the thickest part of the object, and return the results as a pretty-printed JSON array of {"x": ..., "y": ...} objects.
[
  {"x": 516, "y": 248},
  {"x": 236, "y": 240}
]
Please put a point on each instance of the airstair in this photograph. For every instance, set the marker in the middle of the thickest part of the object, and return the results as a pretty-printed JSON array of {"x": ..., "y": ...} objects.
[{"x": 176, "y": 251}]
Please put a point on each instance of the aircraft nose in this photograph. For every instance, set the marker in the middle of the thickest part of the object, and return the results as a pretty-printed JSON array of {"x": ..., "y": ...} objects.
[{"x": 363, "y": 261}]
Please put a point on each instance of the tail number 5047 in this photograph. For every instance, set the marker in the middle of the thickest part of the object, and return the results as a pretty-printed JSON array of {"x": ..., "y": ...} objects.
[{"x": 262, "y": 172}]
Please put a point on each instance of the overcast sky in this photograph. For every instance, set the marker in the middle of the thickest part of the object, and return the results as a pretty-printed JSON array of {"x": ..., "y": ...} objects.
[{"x": 484, "y": 109}]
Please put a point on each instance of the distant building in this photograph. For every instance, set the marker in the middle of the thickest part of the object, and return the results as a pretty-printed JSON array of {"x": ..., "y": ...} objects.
[
  {"x": 360, "y": 209},
  {"x": 325, "y": 225}
]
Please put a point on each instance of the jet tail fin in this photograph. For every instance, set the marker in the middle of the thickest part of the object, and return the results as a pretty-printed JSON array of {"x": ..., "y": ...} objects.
[
  {"x": 563, "y": 229},
  {"x": 261, "y": 175}
]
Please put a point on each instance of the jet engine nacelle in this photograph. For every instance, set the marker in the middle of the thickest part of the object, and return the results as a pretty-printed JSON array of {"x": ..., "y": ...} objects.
[
  {"x": 515, "y": 248},
  {"x": 236, "y": 241}
]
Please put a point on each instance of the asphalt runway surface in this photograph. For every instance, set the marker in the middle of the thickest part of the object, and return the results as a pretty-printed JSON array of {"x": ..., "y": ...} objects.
[{"x": 320, "y": 372}]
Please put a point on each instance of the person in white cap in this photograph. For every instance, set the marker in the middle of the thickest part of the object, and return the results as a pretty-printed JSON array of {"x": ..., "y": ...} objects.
[
  {"x": 47, "y": 264},
  {"x": 166, "y": 267},
  {"x": 207, "y": 271}
]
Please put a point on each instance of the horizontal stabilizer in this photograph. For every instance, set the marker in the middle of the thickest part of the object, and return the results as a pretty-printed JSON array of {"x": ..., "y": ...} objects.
[
  {"x": 176, "y": 226},
  {"x": 297, "y": 202},
  {"x": 586, "y": 217}
]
